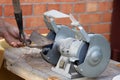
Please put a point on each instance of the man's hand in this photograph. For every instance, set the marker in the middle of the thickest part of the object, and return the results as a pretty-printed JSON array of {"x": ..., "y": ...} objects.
[{"x": 10, "y": 33}]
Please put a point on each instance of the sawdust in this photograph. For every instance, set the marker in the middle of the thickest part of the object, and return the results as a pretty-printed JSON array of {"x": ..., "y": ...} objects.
[
  {"x": 53, "y": 78},
  {"x": 118, "y": 65}
]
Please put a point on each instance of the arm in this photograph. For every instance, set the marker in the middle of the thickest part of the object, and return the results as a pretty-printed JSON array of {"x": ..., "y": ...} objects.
[{"x": 10, "y": 34}]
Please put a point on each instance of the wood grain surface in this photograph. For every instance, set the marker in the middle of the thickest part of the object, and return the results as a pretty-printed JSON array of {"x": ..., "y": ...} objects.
[{"x": 29, "y": 65}]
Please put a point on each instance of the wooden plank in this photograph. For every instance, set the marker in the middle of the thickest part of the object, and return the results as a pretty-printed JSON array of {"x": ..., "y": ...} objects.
[
  {"x": 28, "y": 64},
  {"x": 3, "y": 45},
  {"x": 1, "y": 55}
]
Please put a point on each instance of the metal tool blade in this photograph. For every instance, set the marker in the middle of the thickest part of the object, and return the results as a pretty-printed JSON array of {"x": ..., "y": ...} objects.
[{"x": 39, "y": 40}]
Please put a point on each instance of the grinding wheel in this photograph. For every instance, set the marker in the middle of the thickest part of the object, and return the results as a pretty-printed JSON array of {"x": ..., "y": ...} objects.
[{"x": 97, "y": 58}]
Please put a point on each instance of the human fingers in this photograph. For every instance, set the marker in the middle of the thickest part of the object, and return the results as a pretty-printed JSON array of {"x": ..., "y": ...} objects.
[
  {"x": 13, "y": 31},
  {"x": 12, "y": 41}
]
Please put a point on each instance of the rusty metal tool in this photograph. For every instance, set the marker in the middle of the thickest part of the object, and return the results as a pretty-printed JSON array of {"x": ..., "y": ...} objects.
[
  {"x": 39, "y": 41},
  {"x": 19, "y": 20}
]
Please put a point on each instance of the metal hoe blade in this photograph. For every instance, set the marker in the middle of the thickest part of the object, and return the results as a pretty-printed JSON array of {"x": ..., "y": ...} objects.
[{"x": 39, "y": 40}]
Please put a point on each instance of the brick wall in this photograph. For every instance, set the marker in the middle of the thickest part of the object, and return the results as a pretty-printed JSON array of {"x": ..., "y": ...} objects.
[{"x": 94, "y": 15}]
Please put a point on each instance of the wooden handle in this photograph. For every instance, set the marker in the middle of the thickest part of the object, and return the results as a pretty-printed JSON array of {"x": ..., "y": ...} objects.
[
  {"x": 3, "y": 46},
  {"x": 16, "y": 5},
  {"x": 1, "y": 55}
]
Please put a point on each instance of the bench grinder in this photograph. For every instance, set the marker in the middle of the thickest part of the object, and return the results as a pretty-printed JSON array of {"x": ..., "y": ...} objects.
[{"x": 74, "y": 52}]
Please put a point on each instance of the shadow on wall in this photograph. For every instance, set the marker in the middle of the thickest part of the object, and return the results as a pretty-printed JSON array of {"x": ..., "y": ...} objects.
[
  {"x": 115, "y": 31},
  {"x": 7, "y": 75}
]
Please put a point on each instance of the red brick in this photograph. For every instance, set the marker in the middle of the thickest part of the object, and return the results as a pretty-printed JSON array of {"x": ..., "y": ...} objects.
[
  {"x": 104, "y": 6},
  {"x": 39, "y": 9},
  {"x": 34, "y": 22},
  {"x": 111, "y": 5},
  {"x": 92, "y": 6},
  {"x": 0, "y": 10},
  {"x": 8, "y": 10},
  {"x": 5, "y": 1},
  {"x": 66, "y": 8},
  {"x": 28, "y": 31},
  {"x": 11, "y": 21},
  {"x": 53, "y": 6},
  {"x": 107, "y": 17},
  {"x": 43, "y": 30},
  {"x": 86, "y": 28},
  {"x": 79, "y": 7},
  {"x": 107, "y": 36},
  {"x": 100, "y": 28},
  {"x": 65, "y": 0},
  {"x": 64, "y": 21},
  {"x": 35, "y": 1},
  {"x": 90, "y": 18},
  {"x": 26, "y": 10}
]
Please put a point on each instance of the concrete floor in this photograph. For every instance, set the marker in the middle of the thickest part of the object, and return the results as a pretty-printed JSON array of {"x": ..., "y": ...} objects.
[{"x": 7, "y": 75}]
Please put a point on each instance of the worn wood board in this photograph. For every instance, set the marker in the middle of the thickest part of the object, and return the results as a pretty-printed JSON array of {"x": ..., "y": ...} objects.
[
  {"x": 28, "y": 64},
  {"x": 1, "y": 56}
]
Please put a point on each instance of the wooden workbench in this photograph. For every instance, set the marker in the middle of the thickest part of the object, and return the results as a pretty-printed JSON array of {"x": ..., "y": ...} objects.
[{"x": 28, "y": 64}]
